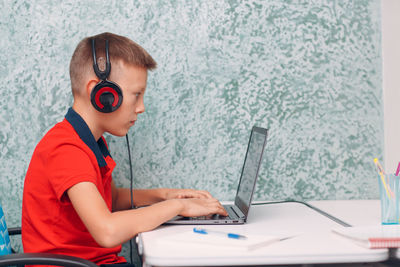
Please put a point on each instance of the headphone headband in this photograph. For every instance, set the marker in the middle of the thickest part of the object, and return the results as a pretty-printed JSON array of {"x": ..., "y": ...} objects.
[
  {"x": 106, "y": 96},
  {"x": 103, "y": 75}
]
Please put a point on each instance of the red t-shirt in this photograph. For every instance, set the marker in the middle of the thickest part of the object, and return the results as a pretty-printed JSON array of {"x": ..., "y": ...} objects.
[{"x": 68, "y": 154}]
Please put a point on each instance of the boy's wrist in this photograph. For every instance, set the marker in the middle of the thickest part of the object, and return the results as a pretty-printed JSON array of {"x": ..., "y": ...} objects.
[
  {"x": 163, "y": 193},
  {"x": 177, "y": 205}
]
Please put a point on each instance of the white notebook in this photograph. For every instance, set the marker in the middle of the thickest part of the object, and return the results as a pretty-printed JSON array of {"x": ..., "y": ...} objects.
[{"x": 376, "y": 236}]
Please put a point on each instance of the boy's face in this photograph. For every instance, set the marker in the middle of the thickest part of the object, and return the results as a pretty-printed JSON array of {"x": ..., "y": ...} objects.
[{"x": 132, "y": 80}]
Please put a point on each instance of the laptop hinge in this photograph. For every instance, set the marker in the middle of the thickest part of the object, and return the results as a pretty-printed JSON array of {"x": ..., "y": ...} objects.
[{"x": 238, "y": 212}]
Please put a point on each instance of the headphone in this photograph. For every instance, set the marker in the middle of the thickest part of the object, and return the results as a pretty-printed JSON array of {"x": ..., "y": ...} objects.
[{"x": 106, "y": 96}]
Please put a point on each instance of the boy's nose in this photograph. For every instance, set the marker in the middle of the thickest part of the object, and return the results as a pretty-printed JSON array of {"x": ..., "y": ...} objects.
[{"x": 140, "y": 108}]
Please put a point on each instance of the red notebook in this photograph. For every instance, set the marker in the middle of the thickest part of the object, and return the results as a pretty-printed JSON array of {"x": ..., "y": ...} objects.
[{"x": 379, "y": 236}]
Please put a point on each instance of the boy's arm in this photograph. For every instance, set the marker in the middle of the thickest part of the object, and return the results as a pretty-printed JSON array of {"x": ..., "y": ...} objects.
[
  {"x": 110, "y": 229},
  {"x": 143, "y": 197}
]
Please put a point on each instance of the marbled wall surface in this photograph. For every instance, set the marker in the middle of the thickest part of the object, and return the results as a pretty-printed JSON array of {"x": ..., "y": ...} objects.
[{"x": 310, "y": 71}]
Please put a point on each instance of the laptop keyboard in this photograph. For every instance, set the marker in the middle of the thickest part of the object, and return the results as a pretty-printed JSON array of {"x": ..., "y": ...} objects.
[{"x": 231, "y": 215}]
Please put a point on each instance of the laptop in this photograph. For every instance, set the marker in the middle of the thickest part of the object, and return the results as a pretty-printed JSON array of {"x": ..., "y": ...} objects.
[{"x": 239, "y": 210}]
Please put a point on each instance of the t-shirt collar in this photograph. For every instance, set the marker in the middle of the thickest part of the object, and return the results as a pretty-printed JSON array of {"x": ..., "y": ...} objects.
[{"x": 99, "y": 148}]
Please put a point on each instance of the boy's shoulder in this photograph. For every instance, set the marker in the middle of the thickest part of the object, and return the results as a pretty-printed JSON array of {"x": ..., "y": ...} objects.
[{"x": 62, "y": 133}]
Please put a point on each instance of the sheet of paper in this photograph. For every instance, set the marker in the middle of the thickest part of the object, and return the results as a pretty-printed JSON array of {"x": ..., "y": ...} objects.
[{"x": 252, "y": 242}]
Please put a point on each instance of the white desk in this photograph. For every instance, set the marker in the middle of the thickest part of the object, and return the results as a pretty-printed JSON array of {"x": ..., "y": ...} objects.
[{"x": 314, "y": 243}]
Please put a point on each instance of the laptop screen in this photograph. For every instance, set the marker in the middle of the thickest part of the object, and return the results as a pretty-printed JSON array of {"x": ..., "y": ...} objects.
[{"x": 250, "y": 169}]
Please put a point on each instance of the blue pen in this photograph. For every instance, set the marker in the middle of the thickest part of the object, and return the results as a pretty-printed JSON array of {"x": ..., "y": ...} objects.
[{"x": 211, "y": 232}]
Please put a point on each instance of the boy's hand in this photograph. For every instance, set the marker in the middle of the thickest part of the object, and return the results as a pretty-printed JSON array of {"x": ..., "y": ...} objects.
[
  {"x": 186, "y": 193},
  {"x": 192, "y": 207}
]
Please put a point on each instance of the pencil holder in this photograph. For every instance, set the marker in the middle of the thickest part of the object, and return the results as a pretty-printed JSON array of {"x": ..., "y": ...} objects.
[{"x": 389, "y": 195}]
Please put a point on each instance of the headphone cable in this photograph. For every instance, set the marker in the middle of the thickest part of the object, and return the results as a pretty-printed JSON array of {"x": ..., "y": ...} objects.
[
  {"x": 130, "y": 170},
  {"x": 131, "y": 244}
]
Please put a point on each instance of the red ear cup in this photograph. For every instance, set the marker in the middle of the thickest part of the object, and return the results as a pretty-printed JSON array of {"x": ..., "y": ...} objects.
[{"x": 106, "y": 96}]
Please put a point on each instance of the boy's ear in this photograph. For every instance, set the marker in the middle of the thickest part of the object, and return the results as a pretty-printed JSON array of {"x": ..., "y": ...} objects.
[{"x": 89, "y": 87}]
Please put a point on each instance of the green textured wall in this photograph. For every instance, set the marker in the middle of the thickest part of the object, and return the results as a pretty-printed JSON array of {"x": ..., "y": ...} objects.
[{"x": 310, "y": 71}]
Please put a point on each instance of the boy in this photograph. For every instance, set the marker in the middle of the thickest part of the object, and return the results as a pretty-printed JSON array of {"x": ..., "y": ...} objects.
[{"x": 70, "y": 204}]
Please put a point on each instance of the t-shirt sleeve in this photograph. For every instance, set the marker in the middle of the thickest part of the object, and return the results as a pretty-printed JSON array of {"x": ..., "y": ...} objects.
[{"x": 69, "y": 165}]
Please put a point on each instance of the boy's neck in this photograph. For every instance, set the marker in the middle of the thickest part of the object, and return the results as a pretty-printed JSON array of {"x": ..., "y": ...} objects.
[{"x": 89, "y": 119}]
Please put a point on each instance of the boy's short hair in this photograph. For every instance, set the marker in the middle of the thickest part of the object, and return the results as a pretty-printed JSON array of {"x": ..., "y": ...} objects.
[{"x": 120, "y": 49}]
